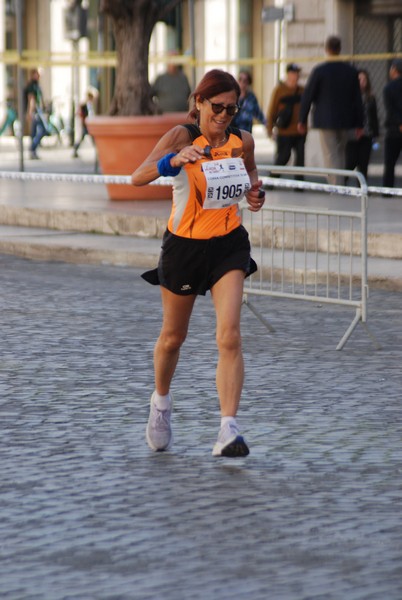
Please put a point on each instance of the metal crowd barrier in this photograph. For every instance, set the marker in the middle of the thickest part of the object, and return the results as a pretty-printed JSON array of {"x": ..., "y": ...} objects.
[{"x": 315, "y": 254}]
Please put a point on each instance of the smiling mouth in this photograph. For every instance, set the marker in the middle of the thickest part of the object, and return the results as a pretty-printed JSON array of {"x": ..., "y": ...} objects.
[{"x": 224, "y": 122}]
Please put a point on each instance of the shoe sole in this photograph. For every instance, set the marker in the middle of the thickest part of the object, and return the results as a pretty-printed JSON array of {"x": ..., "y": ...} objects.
[
  {"x": 235, "y": 448},
  {"x": 151, "y": 445},
  {"x": 157, "y": 449}
]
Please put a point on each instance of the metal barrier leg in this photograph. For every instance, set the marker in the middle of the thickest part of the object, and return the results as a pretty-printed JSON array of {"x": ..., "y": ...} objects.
[
  {"x": 257, "y": 314},
  {"x": 351, "y": 328}
]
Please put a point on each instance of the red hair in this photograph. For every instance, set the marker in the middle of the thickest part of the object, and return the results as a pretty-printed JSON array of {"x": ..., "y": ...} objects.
[{"x": 213, "y": 83}]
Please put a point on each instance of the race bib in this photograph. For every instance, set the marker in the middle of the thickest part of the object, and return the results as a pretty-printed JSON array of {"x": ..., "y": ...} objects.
[{"x": 227, "y": 182}]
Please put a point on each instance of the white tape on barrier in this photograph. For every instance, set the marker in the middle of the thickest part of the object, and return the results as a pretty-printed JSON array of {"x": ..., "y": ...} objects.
[
  {"x": 66, "y": 177},
  {"x": 74, "y": 178},
  {"x": 307, "y": 185},
  {"x": 384, "y": 191},
  {"x": 126, "y": 180},
  {"x": 324, "y": 187}
]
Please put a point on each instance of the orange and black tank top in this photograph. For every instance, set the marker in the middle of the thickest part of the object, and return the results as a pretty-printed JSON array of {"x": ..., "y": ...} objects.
[{"x": 188, "y": 218}]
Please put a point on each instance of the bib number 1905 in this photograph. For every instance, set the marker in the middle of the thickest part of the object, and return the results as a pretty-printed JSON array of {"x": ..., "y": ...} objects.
[{"x": 229, "y": 191}]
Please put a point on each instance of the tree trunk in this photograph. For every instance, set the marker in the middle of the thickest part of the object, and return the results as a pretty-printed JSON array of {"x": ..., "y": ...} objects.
[{"x": 133, "y": 23}]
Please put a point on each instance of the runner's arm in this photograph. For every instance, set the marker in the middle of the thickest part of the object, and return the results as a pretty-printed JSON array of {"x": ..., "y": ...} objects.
[
  {"x": 255, "y": 197},
  {"x": 173, "y": 141}
]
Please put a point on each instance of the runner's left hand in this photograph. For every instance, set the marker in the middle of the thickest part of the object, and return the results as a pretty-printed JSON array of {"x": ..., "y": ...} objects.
[{"x": 255, "y": 197}]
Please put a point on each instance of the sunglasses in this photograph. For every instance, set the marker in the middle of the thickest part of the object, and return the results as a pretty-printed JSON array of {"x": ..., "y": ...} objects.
[{"x": 231, "y": 109}]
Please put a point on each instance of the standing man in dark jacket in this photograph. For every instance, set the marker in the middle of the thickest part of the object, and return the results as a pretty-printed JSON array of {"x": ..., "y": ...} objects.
[
  {"x": 393, "y": 122},
  {"x": 333, "y": 90}
]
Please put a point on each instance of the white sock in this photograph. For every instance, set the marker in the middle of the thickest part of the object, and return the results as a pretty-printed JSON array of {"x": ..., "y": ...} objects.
[
  {"x": 162, "y": 402},
  {"x": 229, "y": 421}
]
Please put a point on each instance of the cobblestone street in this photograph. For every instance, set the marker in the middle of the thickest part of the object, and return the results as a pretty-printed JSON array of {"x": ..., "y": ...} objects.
[{"x": 88, "y": 512}]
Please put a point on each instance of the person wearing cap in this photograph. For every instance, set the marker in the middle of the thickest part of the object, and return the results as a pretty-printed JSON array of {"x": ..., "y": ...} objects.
[
  {"x": 333, "y": 92},
  {"x": 392, "y": 95},
  {"x": 283, "y": 116}
]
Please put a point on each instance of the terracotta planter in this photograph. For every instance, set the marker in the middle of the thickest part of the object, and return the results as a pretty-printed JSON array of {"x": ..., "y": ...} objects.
[{"x": 124, "y": 142}]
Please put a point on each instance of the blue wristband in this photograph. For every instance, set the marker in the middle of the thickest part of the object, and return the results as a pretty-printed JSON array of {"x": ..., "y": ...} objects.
[{"x": 164, "y": 167}]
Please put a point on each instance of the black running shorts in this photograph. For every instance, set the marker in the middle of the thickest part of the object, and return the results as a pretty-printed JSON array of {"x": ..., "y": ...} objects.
[{"x": 187, "y": 266}]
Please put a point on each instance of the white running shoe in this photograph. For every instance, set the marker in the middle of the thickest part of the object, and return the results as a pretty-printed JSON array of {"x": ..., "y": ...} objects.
[
  {"x": 230, "y": 443},
  {"x": 159, "y": 431}
]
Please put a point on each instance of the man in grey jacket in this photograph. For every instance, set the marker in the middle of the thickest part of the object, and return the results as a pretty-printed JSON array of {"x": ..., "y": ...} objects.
[
  {"x": 334, "y": 92},
  {"x": 393, "y": 122}
]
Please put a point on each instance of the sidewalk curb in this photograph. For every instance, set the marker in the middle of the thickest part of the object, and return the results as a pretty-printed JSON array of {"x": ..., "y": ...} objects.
[
  {"x": 78, "y": 254},
  {"x": 379, "y": 245},
  {"x": 96, "y": 252},
  {"x": 84, "y": 221}
]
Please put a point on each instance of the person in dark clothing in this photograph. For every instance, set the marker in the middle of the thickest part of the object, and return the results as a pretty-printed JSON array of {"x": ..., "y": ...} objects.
[
  {"x": 249, "y": 108},
  {"x": 393, "y": 122},
  {"x": 358, "y": 151},
  {"x": 283, "y": 116},
  {"x": 33, "y": 98},
  {"x": 334, "y": 92},
  {"x": 86, "y": 109},
  {"x": 171, "y": 90}
]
